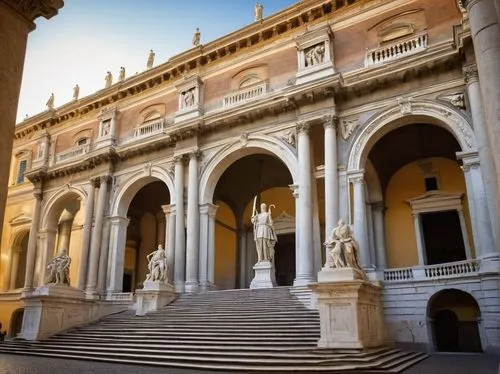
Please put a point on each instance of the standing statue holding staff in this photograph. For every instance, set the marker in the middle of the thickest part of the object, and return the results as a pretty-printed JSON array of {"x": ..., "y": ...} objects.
[{"x": 264, "y": 234}]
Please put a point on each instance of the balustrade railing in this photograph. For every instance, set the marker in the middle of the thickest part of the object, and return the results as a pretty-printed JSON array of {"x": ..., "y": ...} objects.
[
  {"x": 72, "y": 153},
  {"x": 120, "y": 297},
  {"x": 149, "y": 129},
  {"x": 431, "y": 272},
  {"x": 245, "y": 95},
  {"x": 396, "y": 50}
]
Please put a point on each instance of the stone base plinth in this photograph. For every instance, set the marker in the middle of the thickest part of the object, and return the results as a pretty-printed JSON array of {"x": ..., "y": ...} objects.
[
  {"x": 265, "y": 276},
  {"x": 350, "y": 314},
  {"x": 312, "y": 73},
  {"x": 340, "y": 274},
  {"x": 52, "y": 309},
  {"x": 154, "y": 296}
]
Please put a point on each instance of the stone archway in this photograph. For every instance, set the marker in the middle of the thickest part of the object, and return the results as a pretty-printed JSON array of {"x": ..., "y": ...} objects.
[
  {"x": 18, "y": 248},
  {"x": 454, "y": 317},
  {"x": 119, "y": 221}
]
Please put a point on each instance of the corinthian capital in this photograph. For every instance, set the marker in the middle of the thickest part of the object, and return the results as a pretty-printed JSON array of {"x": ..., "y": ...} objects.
[
  {"x": 470, "y": 73},
  {"x": 303, "y": 127},
  {"x": 329, "y": 121},
  {"x": 32, "y": 9}
]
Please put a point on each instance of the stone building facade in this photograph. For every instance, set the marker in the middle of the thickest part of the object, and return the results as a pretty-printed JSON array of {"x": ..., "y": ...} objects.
[{"x": 382, "y": 113}]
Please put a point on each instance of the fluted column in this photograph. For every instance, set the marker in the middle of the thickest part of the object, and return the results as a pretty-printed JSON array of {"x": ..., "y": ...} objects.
[
  {"x": 169, "y": 211},
  {"x": 331, "y": 176},
  {"x": 180, "y": 243},
  {"x": 378, "y": 225},
  {"x": 95, "y": 248},
  {"x": 193, "y": 226},
  {"x": 31, "y": 251},
  {"x": 484, "y": 147},
  {"x": 304, "y": 265},
  {"x": 360, "y": 223},
  {"x": 87, "y": 231},
  {"x": 485, "y": 30}
]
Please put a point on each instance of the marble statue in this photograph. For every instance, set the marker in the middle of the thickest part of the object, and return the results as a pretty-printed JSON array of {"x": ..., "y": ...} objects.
[
  {"x": 196, "y": 37},
  {"x": 151, "y": 59},
  {"x": 343, "y": 250},
  {"x": 76, "y": 92},
  {"x": 50, "y": 102},
  {"x": 58, "y": 269},
  {"x": 106, "y": 128},
  {"x": 188, "y": 98},
  {"x": 258, "y": 11},
  {"x": 264, "y": 234},
  {"x": 157, "y": 265},
  {"x": 108, "y": 79},
  {"x": 121, "y": 76},
  {"x": 315, "y": 55}
]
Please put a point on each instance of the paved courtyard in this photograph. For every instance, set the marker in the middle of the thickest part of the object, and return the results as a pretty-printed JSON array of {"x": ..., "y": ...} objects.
[{"x": 437, "y": 364}]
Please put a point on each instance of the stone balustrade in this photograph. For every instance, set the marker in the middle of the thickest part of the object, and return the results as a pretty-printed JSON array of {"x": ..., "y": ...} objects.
[
  {"x": 72, "y": 153},
  {"x": 120, "y": 297},
  {"x": 149, "y": 129},
  {"x": 245, "y": 95},
  {"x": 431, "y": 272},
  {"x": 396, "y": 50}
]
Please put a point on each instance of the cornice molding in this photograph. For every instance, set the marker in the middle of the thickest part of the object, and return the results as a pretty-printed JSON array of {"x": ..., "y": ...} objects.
[{"x": 32, "y": 9}]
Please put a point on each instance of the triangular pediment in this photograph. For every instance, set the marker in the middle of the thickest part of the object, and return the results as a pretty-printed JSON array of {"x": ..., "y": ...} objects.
[
  {"x": 19, "y": 220},
  {"x": 284, "y": 223},
  {"x": 435, "y": 201}
]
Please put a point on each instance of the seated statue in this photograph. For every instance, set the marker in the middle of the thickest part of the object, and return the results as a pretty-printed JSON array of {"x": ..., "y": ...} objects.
[
  {"x": 342, "y": 249},
  {"x": 59, "y": 269},
  {"x": 157, "y": 265}
]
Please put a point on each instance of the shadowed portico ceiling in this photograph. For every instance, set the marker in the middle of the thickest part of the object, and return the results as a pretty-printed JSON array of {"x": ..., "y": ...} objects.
[
  {"x": 410, "y": 143},
  {"x": 248, "y": 176}
]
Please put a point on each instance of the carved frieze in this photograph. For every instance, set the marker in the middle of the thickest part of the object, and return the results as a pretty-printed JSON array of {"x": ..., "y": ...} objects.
[{"x": 347, "y": 127}]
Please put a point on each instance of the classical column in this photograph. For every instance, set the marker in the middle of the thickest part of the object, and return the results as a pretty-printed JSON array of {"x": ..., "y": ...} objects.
[
  {"x": 485, "y": 30},
  {"x": 87, "y": 231},
  {"x": 16, "y": 21},
  {"x": 161, "y": 228},
  {"x": 169, "y": 211},
  {"x": 360, "y": 223},
  {"x": 14, "y": 267},
  {"x": 95, "y": 248},
  {"x": 419, "y": 237},
  {"x": 304, "y": 264},
  {"x": 193, "y": 225},
  {"x": 117, "y": 242},
  {"x": 483, "y": 143},
  {"x": 212, "y": 213},
  {"x": 207, "y": 231},
  {"x": 331, "y": 176},
  {"x": 180, "y": 244},
  {"x": 465, "y": 237},
  {"x": 31, "y": 250},
  {"x": 378, "y": 210},
  {"x": 64, "y": 235},
  {"x": 104, "y": 256},
  {"x": 242, "y": 248}
]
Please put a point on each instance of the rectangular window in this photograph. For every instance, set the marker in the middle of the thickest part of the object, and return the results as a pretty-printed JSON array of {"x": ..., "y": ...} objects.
[
  {"x": 21, "y": 170},
  {"x": 431, "y": 184}
]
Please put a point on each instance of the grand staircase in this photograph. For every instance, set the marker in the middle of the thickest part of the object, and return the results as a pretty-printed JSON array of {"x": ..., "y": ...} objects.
[{"x": 240, "y": 330}]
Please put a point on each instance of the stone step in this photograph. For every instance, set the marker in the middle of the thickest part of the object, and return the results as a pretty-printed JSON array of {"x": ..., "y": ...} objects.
[
  {"x": 264, "y": 338},
  {"x": 203, "y": 328},
  {"x": 218, "y": 322}
]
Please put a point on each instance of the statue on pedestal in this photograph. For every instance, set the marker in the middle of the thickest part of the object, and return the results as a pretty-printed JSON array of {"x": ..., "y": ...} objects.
[
  {"x": 151, "y": 59},
  {"x": 121, "y": 76},
  {"x": 50, "y": 102},
  {"x": 342, "y": 249},
  {"x": 196, "y": 37},
  {"x": 188, "y": 98},
  {"x": 59, "y": 269},
  {"x": 76, "y": 92},
  {"x": 108, "y": 79},
  {"x": 157, "y": 265},
  {"x": 258, "y": 11},
  {"x": 264, "y": 234}
]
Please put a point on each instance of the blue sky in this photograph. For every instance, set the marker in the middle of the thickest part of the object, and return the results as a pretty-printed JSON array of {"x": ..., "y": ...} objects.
[{"x": 89, "y": 37}]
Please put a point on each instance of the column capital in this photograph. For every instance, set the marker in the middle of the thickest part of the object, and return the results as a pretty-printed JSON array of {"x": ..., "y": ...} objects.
[
  {"x": 209, "y": 208},
  {"x": 33, "y": 9},
  {"x": 38, "y": 194},
  {"x": 470, "y": 73},
  {"x": 330, "y": 121},
  {"x": 379, "y": 206},
  {"x": 195, "y": 155},
  {"x": 357, "y": 176},
  {"x": 119, "y": 220},
  {"x": 179, "y": 159},
  {"x": 303, "y": 127},
  {"x": 295, "y": 190},
  {"x": 168, "y": 209}
]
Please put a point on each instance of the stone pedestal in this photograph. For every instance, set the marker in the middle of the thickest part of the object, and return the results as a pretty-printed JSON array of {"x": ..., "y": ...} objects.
[
  {"x": 350, "y": 310},
  {"x": 264, "y": 275},
  {"x": 153, "y": 296},
  {"x": 51, "y": 309}
]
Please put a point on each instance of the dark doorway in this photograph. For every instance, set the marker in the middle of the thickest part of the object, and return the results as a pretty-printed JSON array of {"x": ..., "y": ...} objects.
[
  {"x": 446, "y": 330},
  {"x": 16, "y": 323},
  {"x": 443, "y": 237},
  {"x": 285, "y": 259},
  {"x": 127, "y": 281}
]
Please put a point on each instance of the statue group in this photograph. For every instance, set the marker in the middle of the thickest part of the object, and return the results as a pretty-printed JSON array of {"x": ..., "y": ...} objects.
[
  {"x": 264, "y": 234},
  {"x": 58, "y": 269},
  {"x": 157, "y": 266},
  {"x": 315, "y": 55},
  {"x": 188, "y": 99},
  {"x": 342, "y": 249}
]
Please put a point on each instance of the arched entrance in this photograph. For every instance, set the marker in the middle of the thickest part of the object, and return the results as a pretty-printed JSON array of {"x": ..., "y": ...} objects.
[
  {"x": 16, "y": 322},
  {"x": 454, "y": 317},
  {"x": 19, "y": 249},
  {"x": 256, "y": 165},
  {"x": 145, "y": 231}
]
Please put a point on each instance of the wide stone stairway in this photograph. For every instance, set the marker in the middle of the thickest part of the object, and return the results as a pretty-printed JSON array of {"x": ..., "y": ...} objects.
[{"x": 240, "y": 330}]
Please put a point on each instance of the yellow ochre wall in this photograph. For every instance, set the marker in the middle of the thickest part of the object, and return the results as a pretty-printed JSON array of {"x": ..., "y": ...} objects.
[
  {"x": 225, "y": 248},
  {"x": 281, "y": 197},
  {"x": 407, "y": 183}
]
